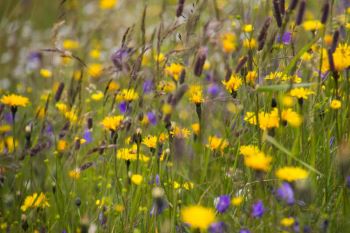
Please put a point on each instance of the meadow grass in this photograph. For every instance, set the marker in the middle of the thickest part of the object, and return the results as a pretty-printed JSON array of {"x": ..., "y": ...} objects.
[{"x": 174, "y": 116}]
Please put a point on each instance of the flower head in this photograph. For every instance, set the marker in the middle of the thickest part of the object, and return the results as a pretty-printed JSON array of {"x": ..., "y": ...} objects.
[
  {"x": 259, "y": 162},
  {"x": 174, "y": 70},
  {"x": 285, "y": 193},
  {"x": 196, "y": 94},
  {"x": 198, "y": 216},
  {"x": 14, "y": 100},
  {"x": 216, "y": 143},
  {"x": 112, "y": 122},
  {"x": 291, "y": 173},
  {"x": 258, "y": 209},
  {"x": 222, "y": 203},
  {"x": 233, "y": 84},
  {"x": 335, "y": 104},
  {"x": 136, "y": 179},
  {"x": 301, "y": 93},
  {"x": 35, "y": 201},
  {"x": 150, "y": 141}
]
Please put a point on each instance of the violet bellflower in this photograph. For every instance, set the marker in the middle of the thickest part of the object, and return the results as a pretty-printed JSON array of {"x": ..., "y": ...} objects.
[
  {"x": 285, "y": 193},
  {"x": 258, "y": 209},
  {"x": 222, "y": 203}
]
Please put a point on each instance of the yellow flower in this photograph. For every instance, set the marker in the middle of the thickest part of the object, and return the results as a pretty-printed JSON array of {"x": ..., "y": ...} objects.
[
  {"x": 61, "y": 145},
  {"x": 159, "y": 58},
  {"x": 195, "y": 128},
  {"x": 198, "y": 216},
  {"x": 127, "y": 95},
  {"x": 341, "y": 58},
  {"x": 35, "y": 201},
  {"x": 292, "y": 118},
  {"x": 312, "y": 25},
  {"x": 113, "y": 86},
  {"x": 274, "y": 76},
  {"x": 70, "y": 44},
  {"x": 174, "y": 70},
  {"x": 259, "y": 162},
  {"x": 328, "y": 39},
  {"x": 251, "y": 77},
  {"x": 167, "y": 109},
  {"x": 266, "y": 120},
  {"x": 7, "y": 146},
  {"x": 236, "y": 201},
  {"x": 176, "y": 185},
  {"x": 179, "y": 132},
  {"x": 150, "y": 141},
  {"x": 196, "y": 94},
  {"x": 112, "y": 122},
  {"x": 107, "y": 4},
  {"x": 248, "y": 28},
  {"x": 188, "y": 185},
  {"x": 97, "y": 96},
  {"x": 301, "y": 93},
  {"x": 119, "y": 208},
  {"x": 131, "y": 155},
  {"x": 233, "y": 84},
  {"x": 166, "y": 86},
  {"x": 5, "y": 128},
  {"x": 249, "y": 150},
  {"x": 95, "y": 70},
  {"x": 46, "y": 73},
  {"x": 62, "y": 107},
  {"x": 14, "y": 100},
  {"x": 288, "y": 101},
  {"x": 95, "y": 53},
  {"x": 74, "y": 174},
  {"x": 228, "y": 42},
  {"x": 249, "y": 43},
  {"x": 216, "y": 143},
  {"x": 287, "y": 222},
  {"x": 306, "y": 56},
  {"x": 291, "y": 173},
  {"x": 136, "y": 179},
  {"x": 335, "y": 104}
]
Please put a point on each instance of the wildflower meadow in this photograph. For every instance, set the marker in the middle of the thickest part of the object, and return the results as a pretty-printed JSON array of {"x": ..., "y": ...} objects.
[{"x": 175, "y": 116}]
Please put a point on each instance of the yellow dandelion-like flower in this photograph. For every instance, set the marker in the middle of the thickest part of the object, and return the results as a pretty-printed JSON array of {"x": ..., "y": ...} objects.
[
  {"x": 166, "y": 86},
  {"x": 291, "y": 173},
  {"x": 196, "y": 128},
  {"x": 95, "y": 70},
  {"x": 179, "y": 132},
  {"x": 136, "y": 179},
  {"x": 196, "y": 94},
  {"x": 335, "y": 104},
  {"x": 14, "y": 100},
  {"x": 70, "y": 44},
  {"x": 127, "y": 95},
  {"x": 97, "y": 96},
  {"x": 74, "y": 174},
  {"x": 236, "y": 201},
  {"x": 291, "y": 117},
  {"x": 249, "y": 43},
  {"x": 112, "y": 122},
  {"x": 233, "y": 84},
  {"x": 287, "y": 222},
  {"x": 259, "y": 162},
  {"x": 248, "y": 28},
  {"x": 251, "y": 77},
  {"x": 312, "y": 25},
  {"x": 150, "y": 141},
  {"x": 249, "y": 150},
  {"x": 45, "y": 73},
  {"x": 301, "y": 93},
  {"x": 107, "y": 4},
  {"x": 35, "y": 201},
  {"x": 216, "y": 143},
  {"x": 198, "y": 216},
  {"x": 228, "y": 42},
  {"x": 61, "y": 145},
  {"x": 174, "y": 70},
  {"x": 341, "y": 58}
]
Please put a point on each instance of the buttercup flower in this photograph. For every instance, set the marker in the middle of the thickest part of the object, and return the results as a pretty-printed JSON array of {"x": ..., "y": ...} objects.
[{"x": 198, "y": 216}]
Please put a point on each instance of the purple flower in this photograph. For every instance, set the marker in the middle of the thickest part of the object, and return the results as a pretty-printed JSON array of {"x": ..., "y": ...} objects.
[
  {"x": 348, "y": 181},
  {"x": 258, "y": 209},
  {"x": 244, "y": 230},
  {"x": 8, "y": 118},
  {"x": 34, "y": 60},
  {"x": 123, "y": 107},
  {"x": 218, "y": 227},
  {"x": 213, "y": 89},
  {"x": 87, "y": 136},
  {"x": 285, "y": 193},
  {"x": 152, "y": 118},
  {"x": 157, "y": 180},
  {"x": 147, "y": 86},
  {"x": 287, "y": 38},
  {"x": 222, "y": 203},
  {"x": 120, "y": 57}
]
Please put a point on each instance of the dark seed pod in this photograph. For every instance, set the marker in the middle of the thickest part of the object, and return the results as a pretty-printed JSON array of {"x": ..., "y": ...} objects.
[
  {"x": 77, "y": 202},
  {"x": 241, "y": 63},
  {"x": 89, "y": 123},
  {"x": 201, "y": 57},
  {"x": 292, "y": 5},
  {"x": 228, "y": 74},
  {"x": 273, "y": 103},
  {"x": 59, "y": 92},
  {"x": 182, "y": 76},
  {"x": 180, "y": 8},
  {"x": 325, "y": 12},
  {"x": 277, "y": 13},
  {"x": 179, "y": 94},
  {"x": 301, "y": 13},
  {"x": 263, "y": 33},
  {"x": 282, "y": 7},
  {"x": 330, "y": 60},
  {"x": 335, "y": 41}
]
